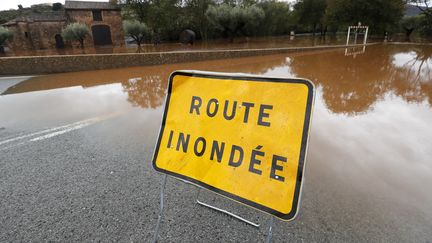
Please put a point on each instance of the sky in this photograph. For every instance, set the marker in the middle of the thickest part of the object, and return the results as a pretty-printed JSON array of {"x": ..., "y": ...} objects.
[{"x": 8, "y": 4}]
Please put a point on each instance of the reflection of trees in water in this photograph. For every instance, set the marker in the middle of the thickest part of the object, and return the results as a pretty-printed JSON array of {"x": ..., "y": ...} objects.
[
  {"x": 146, "y": 91},
  {"x": 351, "y": 85},
  {"x": 148, "y": 87},
  {"x": 413, "y": 74}
]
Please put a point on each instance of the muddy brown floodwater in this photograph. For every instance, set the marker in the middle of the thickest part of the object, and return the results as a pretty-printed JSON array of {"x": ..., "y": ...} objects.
[
  {"x": 368, "y": 173},
  {"x": 219, "y": 44}
]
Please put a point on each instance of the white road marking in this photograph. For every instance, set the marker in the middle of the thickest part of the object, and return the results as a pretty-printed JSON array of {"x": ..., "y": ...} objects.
[
  {"x": 40, "y": 132},
  {"x": 52, "y": 132}
]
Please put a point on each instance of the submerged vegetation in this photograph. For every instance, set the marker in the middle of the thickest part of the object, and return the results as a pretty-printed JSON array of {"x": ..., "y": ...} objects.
[
  {"x": 76, "y": 32},
  {"x": 167, "y": 19},
  {"x": 5, "y": 34},
  {"x": 137, "y": 31},
  {"x": 231, "y": 18}
]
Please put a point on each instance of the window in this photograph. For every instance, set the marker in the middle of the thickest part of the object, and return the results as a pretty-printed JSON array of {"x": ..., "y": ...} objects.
[
  {"x": 97, "y": 15},
  {"x": 26, "y": 34}
]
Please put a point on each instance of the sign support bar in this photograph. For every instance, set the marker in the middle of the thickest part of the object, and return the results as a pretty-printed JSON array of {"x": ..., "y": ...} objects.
[
  {"x": 162, "y": 195},
  {"x": 225, "y": 212},
  {"x": 160, "y": 215},
  {"x": 270, "y": 231}
]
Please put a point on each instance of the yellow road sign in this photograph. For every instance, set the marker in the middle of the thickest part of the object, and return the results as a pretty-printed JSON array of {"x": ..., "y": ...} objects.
[{"x": 242, "y": 136}]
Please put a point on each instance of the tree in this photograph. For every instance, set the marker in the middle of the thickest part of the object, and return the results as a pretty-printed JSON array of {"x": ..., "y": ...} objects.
[
  {"x": 310, "y": 13},
  {"x": 7, "y": 15},
  {"x": 40, "y": 8},
  {"x": 425, "y": 25},
  {"x": 379, "y": 15},
  {"x": 5, "y": 35},
  {"x": 57, "y": 6},
  {"x": 195, "y": 11},
  {"x": 163, "y": 17},
  {"x": 136, "y": 30},
  {"x": 409, "y": 24},
  {"x": 76, "y": 32},
  {"x": 233, "y": 20},
  {"x": 425, "y": 21},
  {"x": 425, "y": 6},
  {"x": 278, "y": 18},
  {"x": 139, "y": 8}
]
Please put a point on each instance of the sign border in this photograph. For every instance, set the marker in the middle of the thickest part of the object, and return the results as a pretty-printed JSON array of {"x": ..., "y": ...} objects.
[{"x": 303, "y": 149}]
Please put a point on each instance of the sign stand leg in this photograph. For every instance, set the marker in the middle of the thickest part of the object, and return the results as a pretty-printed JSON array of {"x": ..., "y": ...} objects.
[
  {"x": 162, "y": 194},
  {"x": 160, "y": 215},
  {"x": 225, "y": 212},
  {"x": 270, "y": 231}
]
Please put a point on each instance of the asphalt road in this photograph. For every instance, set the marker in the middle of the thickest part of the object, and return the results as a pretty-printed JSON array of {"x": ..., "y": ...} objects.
[
  {"x": 75, "y": 165},
  {"x": 96, "y": 183}
]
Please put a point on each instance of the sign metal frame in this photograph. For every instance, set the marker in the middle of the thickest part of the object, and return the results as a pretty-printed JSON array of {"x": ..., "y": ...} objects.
[{"x": 303, "y": 149}]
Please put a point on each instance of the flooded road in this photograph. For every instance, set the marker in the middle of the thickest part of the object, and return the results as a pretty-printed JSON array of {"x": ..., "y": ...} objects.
[{"x": 75, "y": 153}]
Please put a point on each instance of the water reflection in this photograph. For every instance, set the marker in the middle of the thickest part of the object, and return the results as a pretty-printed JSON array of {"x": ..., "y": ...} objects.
[
  {"x": 350, "y": 84},
  {"x": 414, "y": 70},
  {"x": 145, "y": 86},
  {"x": 146, "y": 92}
]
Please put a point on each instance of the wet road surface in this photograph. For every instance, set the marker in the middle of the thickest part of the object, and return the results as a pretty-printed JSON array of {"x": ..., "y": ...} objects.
[{"x": 75, "y": 153}]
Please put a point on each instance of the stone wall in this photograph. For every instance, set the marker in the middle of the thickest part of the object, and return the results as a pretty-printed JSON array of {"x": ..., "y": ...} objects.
[
  {"x": 40, "y": 35},
  {"x": 114, "y": 20},
  {"x": 20, "y": 39},
  {"x": 47, "y": 32},
  {"x": 71, "y": 63}
]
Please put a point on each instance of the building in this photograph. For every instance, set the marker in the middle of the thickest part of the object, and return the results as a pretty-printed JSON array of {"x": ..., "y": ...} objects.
[
  {"x": 103, "y": 19},
  {"x": 37, "y": 31},
  {"x": 43, "y": 30}
]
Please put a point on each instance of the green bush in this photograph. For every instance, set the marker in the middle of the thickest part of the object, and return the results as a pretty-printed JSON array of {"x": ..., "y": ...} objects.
[
  {"x": 5, "y": 35},
  {"x": 277, "y": 20},
  {"x": 233, "y": 20},
  {"x": 76, "y": 32},
  {"x": 425, "y": 26},
  {"x": 136, "y": 30}
]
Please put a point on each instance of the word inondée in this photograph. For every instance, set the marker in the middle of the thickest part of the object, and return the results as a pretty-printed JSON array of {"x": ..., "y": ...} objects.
[{"x": 236, "y": 155}]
